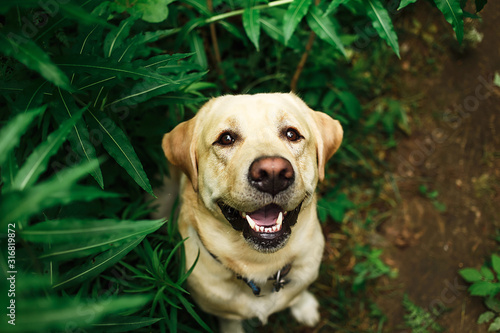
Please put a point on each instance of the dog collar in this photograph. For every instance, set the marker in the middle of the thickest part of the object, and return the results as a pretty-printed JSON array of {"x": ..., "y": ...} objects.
[
  {"x": 278, "y": 277},
  {"x": 279, "y": 280}
]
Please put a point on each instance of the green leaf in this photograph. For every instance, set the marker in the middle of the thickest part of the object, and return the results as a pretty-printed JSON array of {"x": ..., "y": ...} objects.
[
  {"x": 162, "y": 60},
  {"x": 486, "y": 317},
  {"x": 351, "y": 104},
  {"x": 153, "y": 11},
  {"x": 471, "y": 275},
  {"x": 200, "y": 6},
  {"x": 324, "y": 28},
  {"x": 119, "y": 147},
  {"x": 45, "y": 314},
  {"x": 107, "y": 68},
  {"x": 251, "y": 24},
  {"x": 487, "y": 274},
  {"x": 6, "y": 5},
  {"x": 32, "y": 95},
  {"x": 271, "y": 28},
  {"x": 493, "y": 304},
  {"x": 37, "y": 162},
  {"x": 440, "y": 207},
  {"x": 495, "y": 325},
  {"x": 495, "y": 262},
  {"x": 97, "y": 265},
  {"x": 72, "y": 238},
  {"x": 70, "y": 230},
  {"x": 125, "y": 323},
  {"x": 117, "y": 36},
  {"x": 484, "y": 288},
  {"x": 58, "y": 190},
  {"x": 189, "y": 307},
  {"x": 10, "y": 134},
  {"x": 454, "y": 15},
  {"x": 322, "y": 212},
  {"x": 433, "y": 194},
  {"x": 294, "y": 14},
  {"x": 233, "y": 30},
  {"x": 496, "y": 79},
  {"x": 130, "y": 47},
  {"x": 9, "y": 169},
  {"x": 382, "y": 23},
  {"x": 334, "y": 5},
  {"x": 197, "y": 47},
  {"x": 77, "y": 13},
  {"x": 186, "y": 29},
  {"x": 148, "y": 89},
  {"x": 29, "y": 54},
  {"x": 79, "y": 136},
  {"x": 405, "y": 3}
]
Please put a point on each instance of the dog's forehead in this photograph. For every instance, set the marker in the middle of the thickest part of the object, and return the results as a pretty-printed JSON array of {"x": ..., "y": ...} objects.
[{"x": 254, "y": 110}]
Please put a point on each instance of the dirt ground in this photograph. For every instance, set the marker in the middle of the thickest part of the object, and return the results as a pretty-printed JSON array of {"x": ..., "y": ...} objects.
[{"x": 454, "y": 148}]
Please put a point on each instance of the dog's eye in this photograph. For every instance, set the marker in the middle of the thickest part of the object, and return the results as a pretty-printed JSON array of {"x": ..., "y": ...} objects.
[
  {"x": 225, "y": 139},
  {"x": 292, "y": 134}
]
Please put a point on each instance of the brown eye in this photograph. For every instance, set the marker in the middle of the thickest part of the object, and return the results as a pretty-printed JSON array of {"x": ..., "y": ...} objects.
[
  {"x": 225, "y": 139},
  {"x": 292, "y": 134}
]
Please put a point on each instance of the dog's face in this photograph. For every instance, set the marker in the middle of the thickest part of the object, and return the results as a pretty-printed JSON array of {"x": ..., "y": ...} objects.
[{"x": 255, "y": 161}]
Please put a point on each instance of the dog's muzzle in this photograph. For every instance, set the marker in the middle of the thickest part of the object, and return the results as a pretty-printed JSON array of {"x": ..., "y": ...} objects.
[{"x": 267, "y": 229}]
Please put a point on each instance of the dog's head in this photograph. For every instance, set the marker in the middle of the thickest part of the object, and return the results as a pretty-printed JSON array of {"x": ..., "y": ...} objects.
[{"x": 255, "y": 161}]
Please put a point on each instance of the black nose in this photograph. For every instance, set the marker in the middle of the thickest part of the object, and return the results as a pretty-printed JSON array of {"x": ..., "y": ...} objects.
[{"x": 271, "y": 174}]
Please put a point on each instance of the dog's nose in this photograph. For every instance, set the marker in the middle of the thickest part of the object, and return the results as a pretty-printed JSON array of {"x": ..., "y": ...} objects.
[{"x": 271, "y": 174}]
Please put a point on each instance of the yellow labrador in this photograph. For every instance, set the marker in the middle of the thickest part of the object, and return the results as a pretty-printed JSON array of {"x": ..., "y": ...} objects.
[{"x": 248, "y": 204}]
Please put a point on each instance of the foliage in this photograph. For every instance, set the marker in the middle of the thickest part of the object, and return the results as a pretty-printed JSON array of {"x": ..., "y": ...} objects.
[
  {"x": 92, "y": 244},
  {"x": 89, "y": 87},
  {"x": 433, "y": 197},
  {"x": 369, "y": 268},
  {"x": 418, "y": 319},
  {"x": 486, "y": 284}
]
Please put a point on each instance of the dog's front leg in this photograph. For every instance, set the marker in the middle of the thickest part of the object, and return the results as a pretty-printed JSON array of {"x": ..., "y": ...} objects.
[
  {"x": 305, "y": 309},
  {"x": 230, "y": 326}
]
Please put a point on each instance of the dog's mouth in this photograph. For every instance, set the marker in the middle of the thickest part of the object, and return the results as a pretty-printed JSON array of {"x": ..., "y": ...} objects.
[{"x": 267, "y": 229}]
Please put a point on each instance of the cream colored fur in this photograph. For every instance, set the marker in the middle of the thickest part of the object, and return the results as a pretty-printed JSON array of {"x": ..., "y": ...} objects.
[{"x": 216, "y": 173}]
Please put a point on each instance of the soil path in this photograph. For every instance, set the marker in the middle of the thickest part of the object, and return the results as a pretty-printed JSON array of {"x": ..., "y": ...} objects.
[{"x": 454, "y": 149}]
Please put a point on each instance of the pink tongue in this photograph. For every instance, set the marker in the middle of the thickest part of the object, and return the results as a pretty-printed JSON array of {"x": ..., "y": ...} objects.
[{"x": 266, "y": 216}]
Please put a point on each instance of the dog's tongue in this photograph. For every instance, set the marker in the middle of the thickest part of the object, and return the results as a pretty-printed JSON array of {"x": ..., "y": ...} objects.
[{"x": 266, "y": 216}]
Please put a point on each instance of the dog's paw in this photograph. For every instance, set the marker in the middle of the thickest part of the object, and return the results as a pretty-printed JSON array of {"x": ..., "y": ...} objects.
[
  {"x": 230, "y": 326},
  {"x": 305, "y": 309}
]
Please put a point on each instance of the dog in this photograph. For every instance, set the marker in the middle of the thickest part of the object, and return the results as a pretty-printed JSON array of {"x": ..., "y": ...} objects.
[{"x": 251, "y": 164}]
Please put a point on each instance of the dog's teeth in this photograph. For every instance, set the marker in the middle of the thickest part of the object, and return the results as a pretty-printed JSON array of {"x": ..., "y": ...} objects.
[
  {"x": 258, "y": 228},
  {"x": 243, "y": 215},
  {"x": 250, "y": 222}
]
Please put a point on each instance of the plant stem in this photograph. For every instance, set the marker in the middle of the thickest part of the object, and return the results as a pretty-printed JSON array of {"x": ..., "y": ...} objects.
[
  {"x": 230, "y": 14},
  {"x": 240, "y": 11}
]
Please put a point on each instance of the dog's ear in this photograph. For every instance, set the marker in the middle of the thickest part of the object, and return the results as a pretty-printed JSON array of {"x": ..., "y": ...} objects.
[
  {"x": 329, "y": 135},
  {"x": 179, "y": 148}
]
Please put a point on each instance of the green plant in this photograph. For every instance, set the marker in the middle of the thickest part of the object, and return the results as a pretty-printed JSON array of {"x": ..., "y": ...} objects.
[
  {"x": 94, "y": 244},
  {"x": 432, "y": 196},
  {"x": 418, "y": 319},
  {"x": 485, "y": 283},
  {"x": 369, "y": 267}
]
